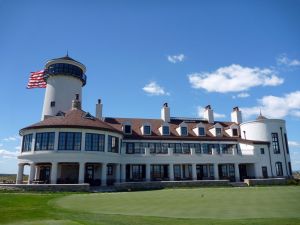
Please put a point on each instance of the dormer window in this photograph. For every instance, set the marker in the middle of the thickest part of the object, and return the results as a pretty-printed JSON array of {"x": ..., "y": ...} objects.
[
  {"x": 127, "y": 129},
  {"x": 235, "y": 132},
  {"x": 147, "y": 130},
  {"x": 165, "y": 130},
  {"x": 183, "y": 131},
  {"x": 201, "y": 131},
  {"x": 218, "y": 131}
]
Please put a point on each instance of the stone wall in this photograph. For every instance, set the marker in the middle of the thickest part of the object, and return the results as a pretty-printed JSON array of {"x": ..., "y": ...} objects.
[
  {"x": 269, "y": 181},
  {"x": 45, "y": 187},
  {"x": 134, "y": 186}
]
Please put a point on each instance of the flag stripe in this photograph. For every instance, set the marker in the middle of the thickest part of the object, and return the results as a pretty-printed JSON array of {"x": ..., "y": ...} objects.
[{"x": 36, "y": 80}]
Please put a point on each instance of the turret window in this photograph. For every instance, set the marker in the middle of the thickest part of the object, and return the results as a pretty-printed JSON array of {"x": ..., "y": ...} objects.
[
  {"x": 27, "y": 141},
  {"x": 94, "y": 142},
  {"x": 44, "y": 141},
  {"x": 113, "y": 144},
  {"x": 279, "y": 171},
  {"x": 275, "y": 143},
  {"x": 69, "y": 141}
]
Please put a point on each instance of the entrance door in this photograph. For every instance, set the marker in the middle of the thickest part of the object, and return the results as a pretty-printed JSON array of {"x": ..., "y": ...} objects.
[
  {"x": 45, "y": 174},
  {"x": 264, "y": 172},
  {"x": 243, "y": 171}
]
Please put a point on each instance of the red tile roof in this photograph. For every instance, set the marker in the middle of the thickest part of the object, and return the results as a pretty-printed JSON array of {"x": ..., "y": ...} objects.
[{"x": 73, "y": 119}]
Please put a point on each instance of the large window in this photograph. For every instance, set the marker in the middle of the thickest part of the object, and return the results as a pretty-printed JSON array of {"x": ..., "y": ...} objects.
[
  {"x": 278, "y": 167},
  {"x": 165, "y": 130},
  {"x": 201, "y": 131},
  {"x": 44, "y": 141},
  {"x": 228, "y": 148},
  {"x": 113, "y": 144},
  {"x": 94, "y": 142},
  {"x": 69, "y": 141},
  {"x": 275, "y": 143},
  {"x": 27, "y": 142}
]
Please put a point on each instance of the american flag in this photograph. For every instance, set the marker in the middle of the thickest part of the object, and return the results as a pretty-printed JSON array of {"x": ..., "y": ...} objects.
[{"x": 36, "y": 80}]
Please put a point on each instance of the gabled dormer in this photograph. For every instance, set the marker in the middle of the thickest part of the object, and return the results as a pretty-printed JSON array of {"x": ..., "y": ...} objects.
[
  {"x": 233, "y": 130},
  {"x": 217, "y": 130},
  {"x": 182, "y": 129},
  {"x": 127, "y": 128},
  {"x": 199, "y": 130},
  {"x": 164, "y": 129},
  {"x": 146, "y": 129}
]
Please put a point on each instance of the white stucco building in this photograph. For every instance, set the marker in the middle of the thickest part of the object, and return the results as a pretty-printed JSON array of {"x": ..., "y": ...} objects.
[{"x": 70, "y": 145}]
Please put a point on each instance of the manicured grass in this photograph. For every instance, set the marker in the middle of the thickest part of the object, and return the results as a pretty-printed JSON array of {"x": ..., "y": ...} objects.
[{"x": 217, "y": 206}]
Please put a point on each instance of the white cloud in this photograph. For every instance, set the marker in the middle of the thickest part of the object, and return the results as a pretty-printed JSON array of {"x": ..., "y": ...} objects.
[
  {"x": 154, "y": 89},
  {"x": 18, "y": 147},
  {"x": 284, "y": 60},
  {"x": 11, "y": 138},
  {"x": 294, "y": 144},
  {"x": 176, "y": 58},
  {"x": 8, "y": 154},
  {"x": 241, "y": 95},
  {"x": 276, "y": 107},
  {"x": 200, "y": 112},
  {"x": 1, "y": 144},
  {"x": 234, "y": 78}
]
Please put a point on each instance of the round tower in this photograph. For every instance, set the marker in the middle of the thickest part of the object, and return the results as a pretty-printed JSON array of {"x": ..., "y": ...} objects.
[
  {"x": 274, "y": 132},
  {"x": 65, "y": 78}
]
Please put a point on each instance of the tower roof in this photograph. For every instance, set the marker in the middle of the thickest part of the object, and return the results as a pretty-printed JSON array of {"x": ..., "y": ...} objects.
[
  {"x": 67, "y": 57},
  {"x": 73, "y": 119},
  {"x": 261, "y": 117}
]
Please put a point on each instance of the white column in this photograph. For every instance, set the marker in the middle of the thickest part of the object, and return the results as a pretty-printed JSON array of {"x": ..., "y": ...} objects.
[
  {"x": 170, "y": 151},
  {"x": 106, "y": 143},
  {"x": 237, "y": 172},
  {"x": 53, "y": 176},
  {"x": 32, "y": 173},
  {"x": 148, "y": 172},
  {"x": 123, "y": 172},
  {"x": 20, "y": 173},
  {"x": 216, "y": 171},
  {"x": 194, "y": 171},
  {"x": 171, "y": 172},
  {"x": 37, "y": 172},
  {"x": 103, "y": 174},
  {"x": 56, "y": 137},
  {"x": 117, "y": 173},
  {"x": 83, "y": 141},
  {"x": 81, "y": 173}
]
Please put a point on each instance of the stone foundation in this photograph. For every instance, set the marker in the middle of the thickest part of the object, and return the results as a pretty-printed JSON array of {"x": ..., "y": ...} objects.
[
  {"x": 269, "y": 181},
  {"x": 46, "y": 187},
  {"x": 134, "y": 186}
]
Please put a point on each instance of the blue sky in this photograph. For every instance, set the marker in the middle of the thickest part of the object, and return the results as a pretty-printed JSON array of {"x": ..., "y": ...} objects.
[{"x": 140, "y": 54}]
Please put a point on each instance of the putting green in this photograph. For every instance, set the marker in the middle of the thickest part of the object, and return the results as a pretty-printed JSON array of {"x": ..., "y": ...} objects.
[
  {"x": 47, "y": 222},
  {"x": 218, "y": 203}
]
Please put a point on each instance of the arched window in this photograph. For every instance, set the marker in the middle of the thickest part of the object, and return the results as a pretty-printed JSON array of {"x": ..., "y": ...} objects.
[{"x": 278, "y": 166}]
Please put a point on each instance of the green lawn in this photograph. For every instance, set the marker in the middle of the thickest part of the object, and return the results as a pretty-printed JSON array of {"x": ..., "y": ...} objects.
[{"x": 223, "y": 206}]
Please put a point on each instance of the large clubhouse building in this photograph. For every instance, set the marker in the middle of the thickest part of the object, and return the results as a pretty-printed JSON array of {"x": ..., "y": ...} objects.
[{"x": 70, "y": 145}]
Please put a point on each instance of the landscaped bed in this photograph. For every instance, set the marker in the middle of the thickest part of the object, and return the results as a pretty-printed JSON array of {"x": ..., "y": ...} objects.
[{"x": 257, "y": 205}]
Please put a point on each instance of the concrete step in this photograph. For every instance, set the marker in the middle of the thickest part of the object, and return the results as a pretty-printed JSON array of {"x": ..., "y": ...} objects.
[{"x": 238, "y": 184}]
